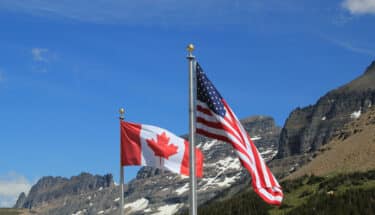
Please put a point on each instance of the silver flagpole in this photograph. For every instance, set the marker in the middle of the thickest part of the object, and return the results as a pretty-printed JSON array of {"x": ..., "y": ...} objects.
[
  {"x": 192, "y": 89},
  {"x": 122, "y": 111}
]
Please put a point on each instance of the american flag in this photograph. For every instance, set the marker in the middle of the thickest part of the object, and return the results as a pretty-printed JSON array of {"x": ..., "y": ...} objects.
[{"x": 216, "y": 120}]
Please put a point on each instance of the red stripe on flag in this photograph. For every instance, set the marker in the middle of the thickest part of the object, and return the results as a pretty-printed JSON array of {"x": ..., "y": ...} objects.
[
  {"x": 258, "y": 165},
  {"x": 218, "y": 125},
  {"x": 204, "y": 110},
  {"x": 130, "y": 144},
  {"x": 273, "y": 201},
  {"x": 223, "y": 138},
  {"x": 233, "y": 122}
]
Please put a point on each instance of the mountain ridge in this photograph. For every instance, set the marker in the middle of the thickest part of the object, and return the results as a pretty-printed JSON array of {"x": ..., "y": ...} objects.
[
  {"x": 307, "y": 129},
  {"x": 49, "y": 187},
  {"x": 153, "y": 191}
]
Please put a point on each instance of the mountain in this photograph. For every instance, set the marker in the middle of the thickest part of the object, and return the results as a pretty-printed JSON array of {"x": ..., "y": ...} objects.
[
  {"x": 154, "y": 191},
  {"x": 307, "y": 129},
  {"x": 353, "y": 149},
  {"x": 49, "y": 189}
]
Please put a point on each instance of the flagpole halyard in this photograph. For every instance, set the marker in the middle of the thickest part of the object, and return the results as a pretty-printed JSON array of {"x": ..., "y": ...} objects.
[
  {"x": 122, "y": 111},
  {"x": 192, "y": 110}
]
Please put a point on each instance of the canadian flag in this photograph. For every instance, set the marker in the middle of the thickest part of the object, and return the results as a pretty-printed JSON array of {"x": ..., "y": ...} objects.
[{"x": 148, "y": 145}]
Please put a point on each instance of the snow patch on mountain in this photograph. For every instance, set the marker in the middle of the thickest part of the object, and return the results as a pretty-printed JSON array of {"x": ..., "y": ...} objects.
[
  {"x": 209, "y": 144},
  {"x": 219, "y": 181},
  {"x": 138, "y": 205},
  {"x": 182, "y": 189},
  {"x": 84, "y": 211},
  {"x": 168, "y": 209},
  {"x": 268, "y": 154},
  {"x": 355, "y": 114},
  {"x": 224, "y": 164},
  {"x": 256, "y": 138},
  {"x": 268, "y": 151}
]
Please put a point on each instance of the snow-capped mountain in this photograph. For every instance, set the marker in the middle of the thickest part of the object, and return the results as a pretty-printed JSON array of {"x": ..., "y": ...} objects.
[{"x": 161, "y": 192}]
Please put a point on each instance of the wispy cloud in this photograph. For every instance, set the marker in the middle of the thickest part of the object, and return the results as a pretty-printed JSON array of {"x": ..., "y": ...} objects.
[
  {"x": 359, "y": 6},
  {"x": 145, "y": 12},
  {"x": 351, "y": 46},
  {"x": 39, "y": 54},
  {"x": 42, "y": 58},
  {"x": 11, "y": 185},
  {"x": 342, "y": 18}
]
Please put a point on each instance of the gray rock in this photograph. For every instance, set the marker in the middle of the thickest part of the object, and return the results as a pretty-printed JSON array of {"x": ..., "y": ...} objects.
[
  {"x": 308, "y": 128},
  {"x": 50, "y": 188},
  {"x": 20, "y": 201}
]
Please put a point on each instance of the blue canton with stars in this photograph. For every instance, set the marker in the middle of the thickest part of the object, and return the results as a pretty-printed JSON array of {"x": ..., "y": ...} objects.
[{"x": 207, "y": 93}]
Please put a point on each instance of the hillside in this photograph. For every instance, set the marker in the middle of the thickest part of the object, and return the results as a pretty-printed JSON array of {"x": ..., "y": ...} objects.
[
  {"x": 310, "y": 128},
  {"x": 342, "y": 194},
  {"x": 353, "y": 149}
]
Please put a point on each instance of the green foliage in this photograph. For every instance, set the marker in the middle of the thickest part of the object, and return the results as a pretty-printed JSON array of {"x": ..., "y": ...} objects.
[
  {"x": 353, "y": 202},
  {"x": 291, "y": 185},
  {"x": 340, "y": 194},
  {"x": 347, "y": 180},
  {"x": 245, "y": 203}
]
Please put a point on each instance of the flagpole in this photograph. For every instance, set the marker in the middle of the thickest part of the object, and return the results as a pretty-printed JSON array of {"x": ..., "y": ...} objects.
[
  {"x": 192, "y": 89},
  {"x": 122, "y": 111}
]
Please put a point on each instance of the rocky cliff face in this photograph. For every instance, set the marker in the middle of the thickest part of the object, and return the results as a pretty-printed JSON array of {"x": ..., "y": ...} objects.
[
  {"x": 154, "y": 191},
  {"x": 307, "y": 129},
  {"x": 20, "y": 201},
  {"x": 351, "y": 151},
  {"x": 50, "y": 188}
]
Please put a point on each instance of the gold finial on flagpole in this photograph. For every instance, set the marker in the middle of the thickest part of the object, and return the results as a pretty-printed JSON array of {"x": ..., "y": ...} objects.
[
  {"x": 190, "y": 47},
  {"x": 122, "y": 111}
]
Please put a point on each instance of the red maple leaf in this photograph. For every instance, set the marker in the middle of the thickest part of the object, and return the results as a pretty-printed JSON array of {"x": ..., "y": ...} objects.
[{"x": 161, "y": 147}]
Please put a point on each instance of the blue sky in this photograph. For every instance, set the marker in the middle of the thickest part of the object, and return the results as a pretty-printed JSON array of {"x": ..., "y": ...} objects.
[{"x": 67, "y": 66}]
